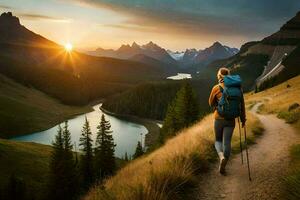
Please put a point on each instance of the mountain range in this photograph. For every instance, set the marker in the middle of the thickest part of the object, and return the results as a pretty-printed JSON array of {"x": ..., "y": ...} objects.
[
  {"x": 182, "y": 59},
  {"x": 215, "y": 52},
  {"x": 73, "y": 78},
  {"x": 77, "y": 78}
]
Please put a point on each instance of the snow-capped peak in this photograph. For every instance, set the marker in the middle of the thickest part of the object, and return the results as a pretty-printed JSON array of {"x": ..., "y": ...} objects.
[{"x": 176, "y": 55}]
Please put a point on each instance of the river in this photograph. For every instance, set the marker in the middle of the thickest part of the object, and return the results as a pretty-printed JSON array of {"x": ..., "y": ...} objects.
[{"x": 126, "y": 134}]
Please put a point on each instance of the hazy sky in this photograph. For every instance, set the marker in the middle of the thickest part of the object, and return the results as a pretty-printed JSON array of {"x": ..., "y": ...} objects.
[{"x": 173, "y": 24}]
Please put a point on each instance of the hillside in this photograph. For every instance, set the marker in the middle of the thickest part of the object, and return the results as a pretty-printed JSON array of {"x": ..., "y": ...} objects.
[
  {"x": 173, "y": 170},
  {"x": 26, "y": 110},
  {"x": 28, "y": 162},
  {"x": 279, "y": 100},
  {"x": 170, "y": 172},
  {"x": 72, "y": 77},
  {"x": 157, "y": 96},
  {"x": 260, "y": 64},
  {"x": 150, "y": 100},
  {"x": 274, "y": 57}
]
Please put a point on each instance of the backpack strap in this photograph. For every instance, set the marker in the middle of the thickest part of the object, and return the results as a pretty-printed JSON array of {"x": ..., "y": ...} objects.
[{"x": 221, "y": 89}]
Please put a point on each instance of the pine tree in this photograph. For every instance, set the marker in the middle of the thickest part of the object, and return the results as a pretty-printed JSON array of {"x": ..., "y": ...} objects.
[
  {"x": 169, "y": 125},
  {"x": 104, "y": 150},
  {"x": 87, "y": 158},
  {"x": 70, "y": 177},
  {"x": 182, "y": 112},
  {"x": 16, "y": 188},
  {"x": 63, "y": 173},
  {"x": 138, "y": 151},
  {"x": 56, "y": 187},
  {"x": 67, "y": 139}
]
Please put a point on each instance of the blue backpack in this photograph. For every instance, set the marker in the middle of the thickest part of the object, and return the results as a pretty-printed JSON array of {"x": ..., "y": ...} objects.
[{"x": 229, "y": 105}]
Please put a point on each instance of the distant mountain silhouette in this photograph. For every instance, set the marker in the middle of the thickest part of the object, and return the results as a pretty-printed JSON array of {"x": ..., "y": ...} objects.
[
  {"x": 126, "y": 52},
  {"x": 177, "y": 55},
  {"x": 192, "y": 56},
  {"x": 215, "y": 52},
  {"x": 183, "y": 59},
  {"x": 74, "y": 78},
  {"x": 12, "y": 32},
  {"x": 189, "y": 56}
]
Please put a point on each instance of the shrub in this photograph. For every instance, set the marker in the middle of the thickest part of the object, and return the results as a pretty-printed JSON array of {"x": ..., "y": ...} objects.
[{"x": 290, "y": 117}]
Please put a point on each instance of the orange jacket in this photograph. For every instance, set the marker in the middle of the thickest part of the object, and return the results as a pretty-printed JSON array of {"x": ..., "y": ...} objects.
[{"x": 216, "y": 95}]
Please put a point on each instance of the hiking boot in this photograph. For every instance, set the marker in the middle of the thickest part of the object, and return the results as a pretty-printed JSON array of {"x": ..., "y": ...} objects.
[{"x": 222, "y": 165}]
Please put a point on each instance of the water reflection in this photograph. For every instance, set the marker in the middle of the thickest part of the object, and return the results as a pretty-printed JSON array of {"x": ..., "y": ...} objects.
[{"x": 126, "y": 134}]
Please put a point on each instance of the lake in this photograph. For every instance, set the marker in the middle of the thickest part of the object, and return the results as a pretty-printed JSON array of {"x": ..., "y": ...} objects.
[
  {"x": 180, "y": 76},
  {"x": 126, "y": 134}
]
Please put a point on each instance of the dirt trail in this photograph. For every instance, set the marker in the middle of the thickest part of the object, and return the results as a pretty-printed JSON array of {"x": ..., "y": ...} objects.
[{"x": 269, "y": 160}]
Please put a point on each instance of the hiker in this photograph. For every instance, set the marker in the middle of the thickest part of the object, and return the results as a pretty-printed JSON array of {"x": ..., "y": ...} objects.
[{"x": 225, "y": 112}]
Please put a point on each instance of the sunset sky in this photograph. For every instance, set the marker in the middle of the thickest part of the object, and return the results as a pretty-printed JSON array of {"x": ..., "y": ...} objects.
[{"x": 173, "y": 24}]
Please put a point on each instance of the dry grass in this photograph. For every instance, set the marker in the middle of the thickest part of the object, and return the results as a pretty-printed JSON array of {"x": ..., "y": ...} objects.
[
  {"x": 168, "y": 172},
  {"x": 278, "y": 99}
]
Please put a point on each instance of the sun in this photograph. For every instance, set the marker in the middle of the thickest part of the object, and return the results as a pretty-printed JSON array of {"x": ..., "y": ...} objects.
[{"x": 68, "y": 47}]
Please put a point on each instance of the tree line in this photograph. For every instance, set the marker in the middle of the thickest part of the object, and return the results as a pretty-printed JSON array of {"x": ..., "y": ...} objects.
[
  {"x": 182, "y": 112},
  {"x": 151, "y": 100},
  {"x": 71, "y": 176}
]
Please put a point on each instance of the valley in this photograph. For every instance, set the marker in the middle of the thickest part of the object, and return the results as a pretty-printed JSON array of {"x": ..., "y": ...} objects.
[
  {"x": 140, "y": 90},
  {"x": 126, "y": 134}
]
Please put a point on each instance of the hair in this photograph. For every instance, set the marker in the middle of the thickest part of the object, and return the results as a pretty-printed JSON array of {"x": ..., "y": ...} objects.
[{"x": 223, "y": 71}]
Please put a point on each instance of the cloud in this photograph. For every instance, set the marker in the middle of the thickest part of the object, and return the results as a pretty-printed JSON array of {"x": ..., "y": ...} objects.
[
  {"x": 128, "y": 26},
  {"x": 5, "y": 7},
  {"x": 231, "y": 17},
  {"x": 42, "y": 17}
]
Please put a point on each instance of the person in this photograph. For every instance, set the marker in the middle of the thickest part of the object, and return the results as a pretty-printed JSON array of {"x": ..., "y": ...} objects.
[{"x": 223, "y": 128}]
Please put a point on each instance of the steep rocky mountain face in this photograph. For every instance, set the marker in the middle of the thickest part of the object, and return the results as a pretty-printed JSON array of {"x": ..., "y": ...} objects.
[
  {"x": 289, "y": 33},
  {"x": 72, "y": 77},
  {"x": 267, "y": 62},
  {"x": 128, "y": 51},
  {"x": 281, "y": 46}
]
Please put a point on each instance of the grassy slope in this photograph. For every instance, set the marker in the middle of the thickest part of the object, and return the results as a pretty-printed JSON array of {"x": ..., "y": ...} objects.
[
  {"x": 167, "y": 172},
  {"x": 277, "y": 101},
  {"x": 28, "y": 161},
  {"x": 24, "y": 110}
]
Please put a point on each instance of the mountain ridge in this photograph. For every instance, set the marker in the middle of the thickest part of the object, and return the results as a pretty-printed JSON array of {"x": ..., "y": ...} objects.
[
  {"x": 35, "y": 61},
  {"x": 127, "y": 51},
  {"x": 181, "y": 58}
]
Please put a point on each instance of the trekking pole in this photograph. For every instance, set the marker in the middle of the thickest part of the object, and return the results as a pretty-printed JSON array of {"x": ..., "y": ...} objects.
[
  {"x": 241, "y": 141},
  {"x": 247, "y": 153}
]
